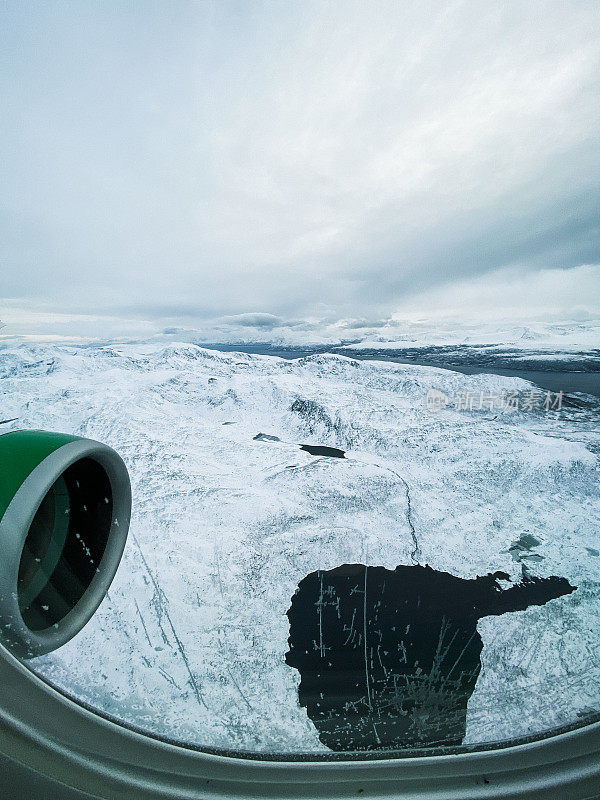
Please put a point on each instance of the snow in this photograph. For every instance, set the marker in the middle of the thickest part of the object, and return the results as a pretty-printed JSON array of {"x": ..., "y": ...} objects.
[
  {"x": 190, "y": 641},
  {"x": 543, "y": 338}
]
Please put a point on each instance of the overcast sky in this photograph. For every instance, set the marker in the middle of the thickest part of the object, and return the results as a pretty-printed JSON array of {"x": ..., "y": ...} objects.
[{"x": 180, "y": 162}]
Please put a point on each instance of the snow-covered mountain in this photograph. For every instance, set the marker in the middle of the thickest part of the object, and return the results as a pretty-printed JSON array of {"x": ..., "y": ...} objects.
[
  {"x": 533, "y": 338},
  {"x": 545, "y": 338},
  {"x": 190, "y": 641}
]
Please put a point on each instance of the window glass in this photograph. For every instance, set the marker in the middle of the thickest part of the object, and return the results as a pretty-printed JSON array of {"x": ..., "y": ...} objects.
[
  {"x": 321, "y": 560},
  {"x": 326, "y": 276}
]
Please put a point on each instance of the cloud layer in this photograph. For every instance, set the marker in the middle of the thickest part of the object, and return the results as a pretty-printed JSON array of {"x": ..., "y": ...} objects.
[{"x": 294, "y": 161}]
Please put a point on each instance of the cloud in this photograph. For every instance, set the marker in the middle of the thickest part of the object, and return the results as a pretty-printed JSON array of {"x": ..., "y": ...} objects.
[
  {"x": 257, "y": 320},
  {"x": 359, "y": 324},
  {"x": 301, "y": 161},
  {"x": 510, "y": 295}
]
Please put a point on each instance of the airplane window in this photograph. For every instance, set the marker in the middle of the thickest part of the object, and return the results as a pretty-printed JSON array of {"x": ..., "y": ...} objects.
[
  {"x": 305, "y": 298},
  {"x": 318, "y": 563}
]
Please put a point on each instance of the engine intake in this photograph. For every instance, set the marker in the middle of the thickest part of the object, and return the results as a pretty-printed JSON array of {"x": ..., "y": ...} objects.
[{"x": 65, "y": 505}]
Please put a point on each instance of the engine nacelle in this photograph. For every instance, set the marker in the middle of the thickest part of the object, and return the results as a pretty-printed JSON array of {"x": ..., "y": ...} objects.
[{"x": 65, "y": 505}]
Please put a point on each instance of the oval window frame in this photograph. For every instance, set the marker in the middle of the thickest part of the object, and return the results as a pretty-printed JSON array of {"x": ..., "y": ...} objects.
[{"x": 68, "y": 745}]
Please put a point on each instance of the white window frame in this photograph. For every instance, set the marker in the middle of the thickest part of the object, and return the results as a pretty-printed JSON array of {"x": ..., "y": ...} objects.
[{"x": 51, "y": 742}]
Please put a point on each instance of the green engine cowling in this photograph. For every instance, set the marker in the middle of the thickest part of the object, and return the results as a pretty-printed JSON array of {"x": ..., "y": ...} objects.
[{"x": 65, "y": 505}]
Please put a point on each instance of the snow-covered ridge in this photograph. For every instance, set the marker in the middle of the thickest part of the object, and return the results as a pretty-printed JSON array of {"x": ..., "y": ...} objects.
[
  {"x": 190, "y": 642},
  {"x": 543, "y": 338}
]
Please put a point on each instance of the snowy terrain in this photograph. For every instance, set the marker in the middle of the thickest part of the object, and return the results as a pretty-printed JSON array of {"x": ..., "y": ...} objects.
[
  {"x": 574, "y": 347},
  {"x": 547, "y": 338},
  {"x": 190, "y": 642}
]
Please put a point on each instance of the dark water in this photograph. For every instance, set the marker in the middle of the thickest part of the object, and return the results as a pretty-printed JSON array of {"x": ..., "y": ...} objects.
[
  {"x": 578, "y": 374},
  {"x": 321, "y": 450},
  {"x": 523, "y": 549},
  {"x": 313, "y": 449},
  {"x": 388, "y": 659},
  {"x": 557, "y": 380}
]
